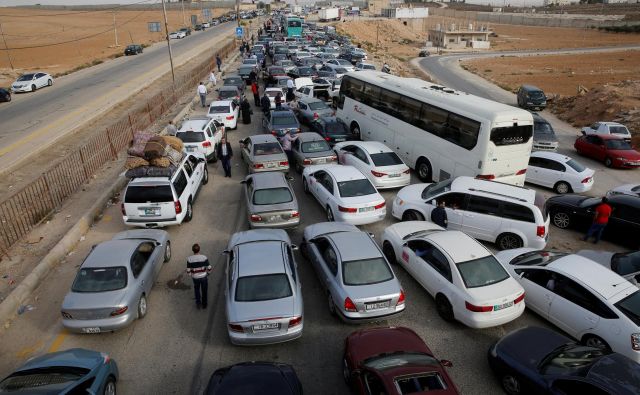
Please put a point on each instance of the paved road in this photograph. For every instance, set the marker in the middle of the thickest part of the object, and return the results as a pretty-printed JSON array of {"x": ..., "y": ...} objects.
[{"x": 32, "y": 121}]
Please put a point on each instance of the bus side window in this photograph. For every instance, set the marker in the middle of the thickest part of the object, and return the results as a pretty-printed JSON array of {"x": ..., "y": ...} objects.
[
  {"x": 409, "y": 111},
  {"x": 434, "y": 118}
]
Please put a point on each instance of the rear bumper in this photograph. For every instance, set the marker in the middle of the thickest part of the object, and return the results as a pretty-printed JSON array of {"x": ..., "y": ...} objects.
[
  {"x": 253, "y": 339},
  {"x": 488, "y": 320},
  {"x": 276, "y": 225},
  {"x": 387, "y": 183},
  {"x": 363, "y": 318},
  {"x": 151, "y": 223},
  {"x": 361, "y": 219},
  {"x": 103, "y": 325}
]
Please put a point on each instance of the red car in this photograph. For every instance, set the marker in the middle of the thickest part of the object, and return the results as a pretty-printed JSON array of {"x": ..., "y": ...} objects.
[
  {"x": 393, "y": 361},
  {"x": 612, "y": 150}
]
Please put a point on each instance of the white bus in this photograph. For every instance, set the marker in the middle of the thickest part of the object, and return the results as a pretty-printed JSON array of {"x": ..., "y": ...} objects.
[{"x": 439, "y": 132}]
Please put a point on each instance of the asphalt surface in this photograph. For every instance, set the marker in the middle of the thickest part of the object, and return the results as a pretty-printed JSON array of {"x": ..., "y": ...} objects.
[{"x": 34, "y": 120}]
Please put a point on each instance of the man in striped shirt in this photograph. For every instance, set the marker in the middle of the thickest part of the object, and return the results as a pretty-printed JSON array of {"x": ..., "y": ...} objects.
[{"x": 198, "y": 267}]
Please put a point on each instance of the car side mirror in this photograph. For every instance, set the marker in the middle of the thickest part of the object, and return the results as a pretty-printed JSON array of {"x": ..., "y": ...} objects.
[
  {"x": 446, "y": 363},
  {"x": 294, "y": 247},
  {"x": 372, "y": 235}
]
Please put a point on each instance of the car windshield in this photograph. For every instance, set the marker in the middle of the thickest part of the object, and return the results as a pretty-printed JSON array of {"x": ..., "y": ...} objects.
[
  {"x": 630, "y": 306},
  {"x": 191, "y": 136},
  {"x": 219, "y": 109},
  {"x": 148, "y": 194},
  {"x": 100, "y": 279},
  {"x": 435, "y": 189},
  {"x": 618, "y": 144},
  {"x": 386, "y": 361},
  {"x": 536, "y": 94},
  {"x": 315, "y": 146},
  {"x": 573, "y": 358},
  {"x": 366, "y": 271},
  {"x": 543, "y": 129},
  {"x": 272, "y": 196},
  {"x": 318, "y": 105},
  {"x": 131, "y": 47},
  {"x": 267, "y": 149},
  {"x": 482, "y": 272},
  {"x": 227, "y": 94},
  {"x": 618, "y": 130},
  {"x": 282, "y": 120},
  {"x": 233, "y": 81},
  {"x": 49, "y": 380},
  {"x": 25, "y": 77},
  {"x": 577, "y": 166},
  {"x": 589, "y": 201},
  {"x": 264, "y": 287},
  {"x": 386, "y": 159},
  {"x": 336, "y": 129},
  {"x": 511, "y": 135},
  {"x": 626, "y": 263},
  {"x": 276, "y": 70},
  {"x": 537, "y": 258},
  {"x": 355, "y": 188}
]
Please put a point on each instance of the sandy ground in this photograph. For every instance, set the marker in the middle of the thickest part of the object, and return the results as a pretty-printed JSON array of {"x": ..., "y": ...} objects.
[{"x": 43, "y": 28}]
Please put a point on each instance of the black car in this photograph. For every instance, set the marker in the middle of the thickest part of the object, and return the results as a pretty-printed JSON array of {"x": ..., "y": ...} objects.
[
  {"x": 352, "y": 57},
  {"x": 133, "y": 49},
  {"x": 255, "y": 378},
  {"x": 577, "y": 211},
  {"x": 5, "y": 95},
  {"x": 198, "y": 27},
  {"x": 332, "y": 129},
  {"x": 234, "y": 80},
  {"x": 302, "y": 71},
  {"x": 423, "y": 53},
  {"x": 279, "y": 122},
  {"x": 535, "y": 360}
]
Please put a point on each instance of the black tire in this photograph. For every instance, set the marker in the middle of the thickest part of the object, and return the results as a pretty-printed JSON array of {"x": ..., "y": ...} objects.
[
  {"x": 205, "y": 176},
  {"x": 346, "y": 373},
  {"x": 561, "y": 219},
  {"x": 509, "y": 241},
  {"x": 562, "y": 187},
  {"x": 445, "y": 311},
  {"x": 142, "y": 307},
  {"x": 511, "y": 384},
  {"x": 305, "y": 186},
  {"x": 423, "y": 170},
  {"x": 189, "y": 215},
  {"x": 33, "y": 88},
  {"x": 330, "y": 217},
  {"x": 412, "y": 215},
  {"x": 608, "y": 162},
  {"x": 355, "y": 130},
  {"x": 389, "y": 253},
  {"x": 595, "y": 341},
  {"x": 330, "y": 304},
  {"x": 167, "y": 251},
  {"x": 49, "y": 82},
  {"x": 298, "y": 167},
  {"x": 110, "y": 387}
]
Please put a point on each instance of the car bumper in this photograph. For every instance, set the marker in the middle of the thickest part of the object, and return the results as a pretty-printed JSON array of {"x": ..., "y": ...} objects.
[
  {"x": 536, "y": 242},
  {"x": 397, "y": 182},
  {"x": 253, "y": 339},
  {"x": 292, "y": 223},
  {"x": 361, "y": 219},
  {"x": 625, "y": 164},
  {"x": 363, "y": 318},
  {"x": 580, "y": 187},
  {"x": 149, "y": 223},
  {"x": 23, "y": 89},
  {"x": 101, "y": 325},
  {"x": 488, "y": 320},
  {"x": 550, "y": 147}
]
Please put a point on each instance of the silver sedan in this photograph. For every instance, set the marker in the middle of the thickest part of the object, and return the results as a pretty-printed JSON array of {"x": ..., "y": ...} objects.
[
  {"x": 311, "y": 149},
  {"x": 271, "y": 202},
  {"x": 360, "y": 285},
  {"x": 310, "y": 109},
  {"x": 263, "y": 295},
  {"x": 112, "y": 286},
  {"x": 262, "y": 153}
]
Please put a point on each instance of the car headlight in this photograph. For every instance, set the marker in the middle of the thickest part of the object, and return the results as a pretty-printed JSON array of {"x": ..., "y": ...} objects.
[
  {"x": 622, "y": 159},
  {"x": 635, "y": 341}
]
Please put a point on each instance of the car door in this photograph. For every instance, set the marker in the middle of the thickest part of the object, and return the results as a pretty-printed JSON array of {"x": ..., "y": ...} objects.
[
  {"x": 598, "y": 149},
  {"x": 572, "y": 307},
  {"x": 533, "y": 170},
  {"x": 624, "y": 223},
  {"x": 360, "y": 160},
  {"x": 40, "y": 80},
  {"x": 324, "y": 189},
  {"x": 481, "y": 219},
  {"x": 427, "y": 265},
  {"x": 180, "y": 184},
  {"x": 198, "y": 171},
  {"x": 537, "y": 284},
  {"x": 455, "y": 206},
  {"x": 325, "y": 261},
  {"x": 545, "y": 173},
  {"x": 246, "y": 152},
  {"x": 142, "y": 267}
]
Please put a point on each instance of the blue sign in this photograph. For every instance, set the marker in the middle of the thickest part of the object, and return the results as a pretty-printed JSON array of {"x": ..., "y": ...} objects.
[{"x": 239, "y": 31}]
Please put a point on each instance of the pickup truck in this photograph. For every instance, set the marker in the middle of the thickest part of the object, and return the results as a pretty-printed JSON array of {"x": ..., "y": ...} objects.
[
  {"x": 314, "y": 90},
  {"x": 612, "y": 128}
]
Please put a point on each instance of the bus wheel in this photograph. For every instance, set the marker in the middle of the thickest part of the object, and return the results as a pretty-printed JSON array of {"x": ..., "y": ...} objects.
[
  {"x": 423, "y": 168},
  {"x": 355, "y": 130}
]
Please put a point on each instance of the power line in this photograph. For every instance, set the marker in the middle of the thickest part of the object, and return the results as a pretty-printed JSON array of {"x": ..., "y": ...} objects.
[{"x": 81, "y": 12}]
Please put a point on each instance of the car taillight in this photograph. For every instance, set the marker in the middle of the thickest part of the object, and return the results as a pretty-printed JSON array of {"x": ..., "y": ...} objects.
[
  {"x": 635, "y": 341},
  {"x": 255, "y": 218},
  {"x": 486, "y": 176},
  {"x": 177, "y": 206},
  {"x": 381, "y": 205},
  {"x": 327, "y": 138},
  {"x": 273, "y": 132},
  {"x": 284, "y": 163},
  {"x": 519, "y": 299},
  {"x": 206, "y": 144},
  {"x": 478, "y": 309},
  {"x": 586, "y": 180},
  {"x": 295, "y": 214},
  {"x": 349, "y": 305},
  {"x": 521, "y": 172},
  {"x": 119, "y": 311},
  {"x": 400, "y": 298},
  {"x": 66, "y": 315},
  {"x": 540, "y": 231},
  {"x": 377, "y": 173},
  {"x": 333, "y": 158},
  {"x": 306, "y": 162},
  {"x": 315, "y": 115},
  {"x": 230, "y": 117},
  {"x": 258, "y": 166},
  {"x": 347, "y": 209},
  {"x": 236, "y": 328},
  {"x": 295, "y": 321},
  {"x": 124, "y": 212}
]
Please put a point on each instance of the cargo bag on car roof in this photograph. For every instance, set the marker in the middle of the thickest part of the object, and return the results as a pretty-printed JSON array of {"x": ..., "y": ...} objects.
[
  {"x": 134, "y": 161},
  {"x": 155, "y": 148},
  {"x": 140, "y": 140},
  {"x": 173, "y": 155},
  {"x": 174, "y": 142},
  {"x": 160, "y": 162}
]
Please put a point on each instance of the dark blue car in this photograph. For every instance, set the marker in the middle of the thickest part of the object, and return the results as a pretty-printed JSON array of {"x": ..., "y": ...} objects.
[
  {"x": 255, "y": 378},
  {"x": 74, "y": 371},
  {"x": 540, "y": 361}
]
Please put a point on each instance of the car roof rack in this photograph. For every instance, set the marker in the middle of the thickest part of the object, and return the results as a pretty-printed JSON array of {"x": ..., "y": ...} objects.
[{"x": 498, "y": 194}]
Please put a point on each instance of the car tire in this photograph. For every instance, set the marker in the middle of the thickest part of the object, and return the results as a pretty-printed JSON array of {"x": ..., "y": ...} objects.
[
  {"x": 142, "y": 307},
  {"x": 305, "y": 186},
  {"x": 205, "y": 176},
  {"x": 412, "y": 215},
  {"x": 595, "y": 341},
  {"x": 33, "y": 88},
  {"x": 189, "y": 215},
  {"x": 445, "y": 311},
  {"x": 509, "y": 241},
  {"x": 49, "y": 82},
  {"x": 330, "y": 304},
  {"x": 562, "y": 187},
  {"x": 389, "y": 253},
  {"x": 561, "y": 219},
  {"x": 330, "y": 217},
  {"x": 355, "y": 130},
  {"x": 608, "y": 162},
  {"x": 511, "y": 384},
  {"x": 110, "y": 387},
  {"x": 346, "y": 374},
  {"x": 423, "y": 169},
  {"x": 167, "y": 252},
  {"x": 298, "y": 167}
]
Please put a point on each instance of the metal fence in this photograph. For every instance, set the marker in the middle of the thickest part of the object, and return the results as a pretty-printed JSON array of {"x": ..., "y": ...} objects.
[{"x": 26, "y": 208}]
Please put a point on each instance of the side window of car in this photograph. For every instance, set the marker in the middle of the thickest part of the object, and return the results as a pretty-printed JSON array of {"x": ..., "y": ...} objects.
[
  {"x": 193, "y": 161},
  {"x": 579, "y": 295},
  {"x": 439, "y": 262},
  {"x": 180, "y": 183},
  {"x": 302, "y": 106},
  {"x": 188, "y": 168},
  {"x": 328, "y": 183},
  {"x": 517, "y": 212},
  {"x": 292, "y": 264},
  {"x": 453, "y": 200},
  {"x": 592, "y": 139},
  {"x": 557, "y": 166},
  {"x": 536, "y": 162},
  {"x": 626, "y": 213},
  {"x": 209, "y": 130},
  {"x": 360, "y": 154},
  {"x": 328, "y": 254},
  {"x": 537, "y": 276},
  {"x": 482, "y": 205},
  {"x": 138, "y": 260}
]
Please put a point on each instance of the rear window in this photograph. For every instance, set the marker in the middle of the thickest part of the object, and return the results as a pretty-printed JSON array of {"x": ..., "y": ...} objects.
[
  {"x": 577, "y": 166},
  {"x": 630, "y": 306},
  {"x": 233, "y": 81},
  {"x": 536, "y": 258},
  {"x": 227, "y": 95},
  {"x": 511, "y": 135},
  {"x": 355, "y": 188},
  {"x": 265, "y": 287},
  {"x": 428, "y": 381},
  {"x": 618, "y": 130},
  {"x": 276, "y": 70},
  {"x": 617, "y": 144},
  {"x": 283, "y": 120},
  {"x": 273, "y": 93},
  {"x": 315, "y": 146},
  {"x": 191, "y": 137},
  {"x": 148, "y": 194},
  {"x": 318, "y": 105},
  {"x": 100, "y": 279},
  {"x": 219, "y": 109},
  {"x": 482, "y": 272},
  {"x": 366, "y": 271},
  {"x": 543, "y": 129},
  {"x": 272, "y": 196},
  {"x": 336, "y": 128},
  {"x": 267, "y": 149},
  {"x": 49, "y": 380},
  {"x": 386, "y": 159}
]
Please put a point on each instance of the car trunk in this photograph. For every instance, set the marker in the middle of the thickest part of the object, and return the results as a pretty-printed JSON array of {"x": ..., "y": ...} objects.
[
  {"x": 93, "y": 305},
  {"x": 377, "y": 299},
  {"x": 265, "y": 316},
  {"x": 149, "y": 202}
]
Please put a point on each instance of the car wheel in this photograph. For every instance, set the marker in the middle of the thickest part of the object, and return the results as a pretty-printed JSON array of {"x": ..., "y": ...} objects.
[
  {"x": 298, "y": 167},
  {"x": 355, "y": 130},
  {"x": 49, "y": 82},
  {"x": 444, "y": 308},
  {"x": 423, "y": 168},
  {"x": 205, "y": 176},
  {"x": 305, "y": 186},
  {"x": 9, "y": 98},
  {"x": 189, "y": 215},
  {"x": 167, "y": 251},
  {"x": 331, "y": 305},
  {"x": 142, "y": 307},
  {"x": 389, "y": 253},
  {"x": 412, "y": 215},
  {"x": 562, "y": 188},
  {"x": 346, "y": 374},
  {"x": 511, "y": 384},
  {"x": 608, "y": 162},
  {"x": 330, "y": 217},
  {"x": 596, "y": 342},
  {"x": 561, "y": 219},
  {"x": 33, "y": 88},
  {"x": 110, "y": 387},
  {"x": 509, "y": 241}
]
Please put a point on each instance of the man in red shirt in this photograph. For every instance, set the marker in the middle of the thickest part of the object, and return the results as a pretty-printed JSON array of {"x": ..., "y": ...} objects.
[{"x": 600, "y": 220}]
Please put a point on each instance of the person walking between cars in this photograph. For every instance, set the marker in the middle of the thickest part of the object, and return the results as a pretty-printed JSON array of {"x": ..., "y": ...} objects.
[
  {"x": 266, "y": 104},
  {"x": 245, "y": 108},
  {"x": 286, "y": 141},
  {"x": 256, "y": 94},
  {"x": 202, "y": 91},
  {"x": 600, "y": 220},
  {"x": 290, "y": 87},
  {"x": 225, "y": 153},
  {"x": 439, "y": 215},
  {"x": 219, "y": 63},
  {"x": 278, "y": 101},
  {"x": 198, "y": 267}
]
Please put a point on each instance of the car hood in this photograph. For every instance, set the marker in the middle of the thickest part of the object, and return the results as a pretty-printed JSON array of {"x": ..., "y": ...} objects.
[
  {"x": 530, "y": 345},
  {"x": 246, "y": 311},
  {"x": 77, "y": 357},
  {"x": 412, "y": 193},
  {"x": 94, "y": 300}
]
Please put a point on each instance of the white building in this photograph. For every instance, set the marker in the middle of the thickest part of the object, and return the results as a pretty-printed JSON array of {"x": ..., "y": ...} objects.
[{"x": 557, "y": 2}]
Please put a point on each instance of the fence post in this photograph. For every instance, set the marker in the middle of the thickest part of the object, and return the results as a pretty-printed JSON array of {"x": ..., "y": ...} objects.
[
  {"x": 54, "y": 201},
  {"x": 114, "y": 153},
  {"x": 84, "y": 167}
]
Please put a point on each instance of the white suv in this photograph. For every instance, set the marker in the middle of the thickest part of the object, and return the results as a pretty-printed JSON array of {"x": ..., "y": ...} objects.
[
  {"x": 507, "y": 215},
  {"x": 154, "y": 202},
  {"x": 201, "y": 134}
]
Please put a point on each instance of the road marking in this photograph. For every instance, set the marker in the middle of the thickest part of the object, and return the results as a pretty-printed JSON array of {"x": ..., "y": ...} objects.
[
  {"x": 28, "y": 351},
  {"x": 57, "y": 342}
]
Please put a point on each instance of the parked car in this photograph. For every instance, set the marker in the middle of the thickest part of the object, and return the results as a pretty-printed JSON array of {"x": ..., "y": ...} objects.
[
  {"x": 225, "y": 112},
  {"x": 610, "y": 149},
  {"x": 544, "y": 137},
  {"x": 344, "y": 193},
  {"x": 608, "y": 128},
  {"x": 286, "y": 64},
  {"x": 73, "y": 371},
  {"x": 272, "y": 92},
  {"x": 627, "y": 189},
  {"x": 302, "y": 71},
  {"x": 198, "y": 27},
  {"x": 586, "y": 300},
  {"x": 245, "y": 71},
  {"x": 541, "y": 361},
  {"x": 376, "y": 161},
  {"x": 133, "y": 49},
  {"x": 263, "y": 152},
  {"x": 626, "y": 264},
  {"x": 360, "y": 66},
  {"x": 332, "y": 130},
  {"x": 270, "y": 200},
  {"x": 310, "y": 109},
  {"x": 177, "y": 35},
  {"x": 251, "y": 378},
  {"x": 234, "y": 80},
  {"x": 153, "y": 202},
  {"x": 531, "y": 97},
  {"x": 263, "y": 295},
  {"x": 114, "y": 281},
  {"x": 336, "y": 64},
  {"x": 272, "y": 72},
  {"x": 423, "y": 53},
  {"x": 279, "y": 122},
  {"x": 507, "y": 215},
  {"x": 311, "y": 149},
  {"x": 31, "y": 82},
  {"x": 359, "y": 283},
  {"x": 351, "y": 57},
  {"x": 465, "y": 279},
  {"x": 185, "y": 30},
  {"x": 393, "y": 360},
  {"x": 5, "y": 95},
  {"x": 559, "y": 172},
  {"x": 230, "y": 92},
  {"x": 201, "y": 134}
]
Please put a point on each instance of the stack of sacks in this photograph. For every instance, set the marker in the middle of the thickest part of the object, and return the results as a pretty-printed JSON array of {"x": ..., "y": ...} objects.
[{"x": 151, "y": 155}]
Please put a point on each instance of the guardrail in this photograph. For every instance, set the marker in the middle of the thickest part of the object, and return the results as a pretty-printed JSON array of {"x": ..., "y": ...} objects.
[{"x": 28, "y": 207}]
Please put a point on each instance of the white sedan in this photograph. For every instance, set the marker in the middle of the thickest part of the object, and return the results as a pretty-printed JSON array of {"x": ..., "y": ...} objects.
[
  {"x": 177, "y": 35},
  {"x": 272, "y": 92},
  {"x": 376, "y": 161},
  {"x": 588, "y": 301},
  {"x": 344, "y": 193},
  {"x": 335, "y": 64},
  {"x": 32, "y": 81},
  {"x": 468, "y": 283},
  {"x": 225, "y": 112},
  {"x": 559, "y": 172}
]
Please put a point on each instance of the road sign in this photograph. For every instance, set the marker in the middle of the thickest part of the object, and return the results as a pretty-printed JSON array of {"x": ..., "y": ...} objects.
[{"x": 239, "y": 31}]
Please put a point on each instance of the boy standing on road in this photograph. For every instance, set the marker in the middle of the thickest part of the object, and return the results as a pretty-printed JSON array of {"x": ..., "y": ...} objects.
[
  {"x": 198, "y": 267},
  {"x": 600, "y": 220},
  {"x": 202, "y": 91}
]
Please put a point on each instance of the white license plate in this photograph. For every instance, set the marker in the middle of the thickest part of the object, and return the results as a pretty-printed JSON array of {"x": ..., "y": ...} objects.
[
  {"x": 365, "y": 209},
  {"x": 265, "y": 327},
  {"x": 319, "y": 161},
  {"x": 190, "y": 149},
  {"x": 394, "y": 175},
  {"x": 502, "y": 306},
  {"x": 91, "y": 330},
  {"x": 274, "y": 218},
  {"x": 339, "y": 140},
  {"x": 377, "y": 306},
  {"x": 271, "y": 165},
  {"x": 151, "y": 212}
]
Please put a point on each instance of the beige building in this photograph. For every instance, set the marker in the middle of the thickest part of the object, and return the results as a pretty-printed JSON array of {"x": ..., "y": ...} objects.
[{"x": 456, "y": 38}]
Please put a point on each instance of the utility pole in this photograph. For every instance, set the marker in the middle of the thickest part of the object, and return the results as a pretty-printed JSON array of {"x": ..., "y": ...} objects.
[
  {"x": 115, "y": 28},
  {"x": 166, "y": 30},
  {"x": 238, "y": 12},
  {"x": 184, "y": 21},
  {"x": 6, "y": 47}
]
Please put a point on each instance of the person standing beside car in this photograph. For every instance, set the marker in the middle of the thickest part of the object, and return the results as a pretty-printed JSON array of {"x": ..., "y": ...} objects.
[
  {"x": 219, "y": 63},
  {"x": 202, "y": 91},
  {"x": 198, "y": 267},
  {"x": 171, "y": 129},
  {"x": 600, "y": 220},
  {"x": 266, "y": 104},
  {"x": 213, "y": 79},
  {"x": 439, "y": 215},
  {"x": 286, "y": 141},
  {"x": 225, "y": 153},
  {"x": 256, "y": 94}
]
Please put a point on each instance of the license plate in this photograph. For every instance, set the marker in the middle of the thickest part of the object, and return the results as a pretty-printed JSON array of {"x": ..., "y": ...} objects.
[
  {"x": 321, "y": 161},
  {"x": 502, "y": 306},
  {"x": 274, "y": 218},
  {"x": 271, "y": 165},
  {"x": 151, "y": 211},
  {"x": 190, "y": 149},
  {"x": 377, "y": 305},
  {"x": 365, "y": 209},
  {"x": 266, "y": 327},
  {"x": 91, "y": 330},
  {"x": 394, "y": 175},
  {"x": 339, "y": 140}
]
